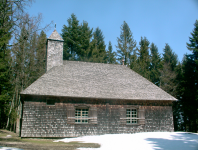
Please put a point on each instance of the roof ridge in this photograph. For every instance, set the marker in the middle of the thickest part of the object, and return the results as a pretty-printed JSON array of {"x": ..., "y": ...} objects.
[{"x": 90, "y": 62}]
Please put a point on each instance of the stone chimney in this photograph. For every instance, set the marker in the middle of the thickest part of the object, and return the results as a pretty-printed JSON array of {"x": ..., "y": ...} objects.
[{"x": 54, "y": 52}]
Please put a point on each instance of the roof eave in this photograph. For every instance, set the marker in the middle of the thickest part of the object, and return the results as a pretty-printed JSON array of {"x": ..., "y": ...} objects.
[{"x": 99, "y": 98}]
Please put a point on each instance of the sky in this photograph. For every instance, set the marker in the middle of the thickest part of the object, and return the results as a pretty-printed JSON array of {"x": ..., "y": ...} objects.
[{"x": 160, "y": 21}]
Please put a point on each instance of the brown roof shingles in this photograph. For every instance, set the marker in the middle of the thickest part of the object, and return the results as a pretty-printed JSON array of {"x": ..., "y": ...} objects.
[{"x": 96, "y": 80}]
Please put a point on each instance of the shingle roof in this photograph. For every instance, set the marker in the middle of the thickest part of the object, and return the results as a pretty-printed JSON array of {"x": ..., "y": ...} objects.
[
  {"x": 55, "y": 36},
  {"x": 96, "y": 80}
]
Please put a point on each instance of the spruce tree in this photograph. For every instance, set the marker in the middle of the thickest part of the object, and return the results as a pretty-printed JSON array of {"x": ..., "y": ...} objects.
[
  {"x": 71, "y": 37},
  {"x": 188, "y": 95},
  {"x": 155, "y": 65},
  {"x": 41, "y": 54},
  {"x": 24, "y": 65},
  {"x": 177, "y": 109},
  {"x": 6, "y": 25},
  {"x": 170, "y": 79},
  {"x": 144, "y": 58},
  {"x": 12, "y": 21},
  {"x": 126, "y": 45},
  {"x": 85, "y": 40},
  {"x": 134, "y": 61},
  {"x": 110, "y": 54},
  {"x": 31, "y": 54},
  {"x": 168, "y": 71},
  {"x": 169, "y": 57},
  {"x": 189, "y": 84},
  {"x": 193, "y": 45},
  {"x": 97, "y": 51}
]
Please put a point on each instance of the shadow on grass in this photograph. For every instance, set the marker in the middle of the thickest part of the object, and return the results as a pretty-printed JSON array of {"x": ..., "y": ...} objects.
[
  {"x": 182, "y": 141},
  {"x": 2, "y": 131},
  {"x": 10, "y": 140}
]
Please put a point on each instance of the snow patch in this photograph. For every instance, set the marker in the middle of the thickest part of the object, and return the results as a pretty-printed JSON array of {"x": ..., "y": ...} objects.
[{"x": 141, "y": 141}]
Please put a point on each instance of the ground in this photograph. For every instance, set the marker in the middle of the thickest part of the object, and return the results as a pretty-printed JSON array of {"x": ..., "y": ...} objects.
[
  {"x": 10, "y": 139},
  {"x": 137, "y": 141},
  {"x": 142, "y": 141}
]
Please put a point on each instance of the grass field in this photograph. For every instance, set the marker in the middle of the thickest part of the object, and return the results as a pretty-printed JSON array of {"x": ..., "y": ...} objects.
[{"x": 10, "y": 139}]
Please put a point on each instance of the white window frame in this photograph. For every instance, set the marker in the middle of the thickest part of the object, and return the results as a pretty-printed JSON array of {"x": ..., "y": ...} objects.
[
  {"x": 131, "y": 116},
  {"x": 81, "y": 115}
]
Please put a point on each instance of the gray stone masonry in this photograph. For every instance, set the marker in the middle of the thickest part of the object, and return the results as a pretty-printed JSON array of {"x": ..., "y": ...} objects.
[{"x": 54, "y": 50}]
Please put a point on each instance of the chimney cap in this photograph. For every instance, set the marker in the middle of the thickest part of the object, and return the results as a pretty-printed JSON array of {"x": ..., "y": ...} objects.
[{"x": 55, "y": 36}]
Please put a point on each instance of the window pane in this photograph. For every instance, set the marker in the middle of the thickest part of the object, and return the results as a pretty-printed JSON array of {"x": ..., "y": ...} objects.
[
  {"x": 81, "y": 115},
  {"x": 131, "y": 114}
]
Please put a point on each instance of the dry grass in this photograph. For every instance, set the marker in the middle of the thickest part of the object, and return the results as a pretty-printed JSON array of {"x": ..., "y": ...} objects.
[{"x": 44, "y": 144}]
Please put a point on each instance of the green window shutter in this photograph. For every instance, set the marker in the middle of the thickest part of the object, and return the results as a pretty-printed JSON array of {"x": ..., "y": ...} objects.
[
  {"x": 93, "y": 115},
  {"x": 122, "y": 116},
  {"x": 70, "y": 115},
  {"x": 141, "y": 116}
]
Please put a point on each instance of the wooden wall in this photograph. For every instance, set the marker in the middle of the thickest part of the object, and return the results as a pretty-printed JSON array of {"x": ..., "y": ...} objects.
[{"x": 42, "y": 120}]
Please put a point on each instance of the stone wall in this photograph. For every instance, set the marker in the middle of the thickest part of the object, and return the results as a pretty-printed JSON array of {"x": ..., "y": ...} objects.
[
  {"x": 42, "y": 120},
  {"x": 54, "y": 53}
]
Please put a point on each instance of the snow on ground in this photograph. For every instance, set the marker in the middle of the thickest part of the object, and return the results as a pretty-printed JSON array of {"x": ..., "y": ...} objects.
[
  {"x": 141, "y": 141},
  {"x": 8, "y": 148}
]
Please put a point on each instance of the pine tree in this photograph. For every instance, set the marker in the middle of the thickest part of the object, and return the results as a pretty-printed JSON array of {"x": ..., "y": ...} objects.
[
  {"x": 169, "y": 57},
  {"x": 5, "y": 35},
  {"x": 6, "y": 23},
  {"x": 24, "y": 61},
  {"x": 71, "y": 36},
  {"x": 170, "y": 79},
  {"x": 155, "y": 65},
  {"x": 111, "y": 55},
  {"x": 41, "y": 54},
  {"x": 97, "y": 51},
  {"x": 193, "y": 45},
  {"x": 20, "y": 64},
  {"x": 134, "y": 61},
  {"x": 85, "y": 40},
  {"x": 144, "y": 58},
  {"x": 31, "y": 54},
  {"x": 177, "y": 109},
  {"x": 12, "y": 21},
  {"x": 126, "y": 45},
  {"x": 168, "y": 73},
  {"x": 189, "y": 96}
]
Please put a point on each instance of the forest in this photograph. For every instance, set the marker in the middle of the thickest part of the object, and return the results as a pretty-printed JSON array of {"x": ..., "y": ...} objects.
[{"x": 23, "y": 50}]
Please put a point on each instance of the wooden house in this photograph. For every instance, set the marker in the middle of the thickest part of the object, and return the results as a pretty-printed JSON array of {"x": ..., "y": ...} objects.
[{"x": 81, "y": 98}]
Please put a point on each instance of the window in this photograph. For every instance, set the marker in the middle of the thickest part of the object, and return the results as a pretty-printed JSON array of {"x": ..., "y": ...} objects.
[
  {"x": 81, "y": 116},
  {"x": 131, "y": 116}
]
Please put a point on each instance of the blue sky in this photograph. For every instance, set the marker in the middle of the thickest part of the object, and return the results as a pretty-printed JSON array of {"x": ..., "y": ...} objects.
[{"x": 160, "y": 21}]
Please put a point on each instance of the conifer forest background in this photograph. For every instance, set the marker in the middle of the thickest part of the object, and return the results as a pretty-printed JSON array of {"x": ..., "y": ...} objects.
[{"x": 23, "y": 50}]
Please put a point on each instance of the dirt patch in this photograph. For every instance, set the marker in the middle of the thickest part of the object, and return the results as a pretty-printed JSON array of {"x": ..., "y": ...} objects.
[{"x": 44, "y": 144}]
